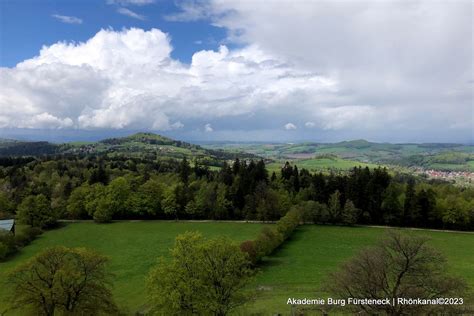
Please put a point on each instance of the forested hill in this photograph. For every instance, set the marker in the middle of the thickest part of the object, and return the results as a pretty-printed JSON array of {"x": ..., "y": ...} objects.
[
  {"x": 10, "y": 147},
  {"x": 136, "y": 145}
]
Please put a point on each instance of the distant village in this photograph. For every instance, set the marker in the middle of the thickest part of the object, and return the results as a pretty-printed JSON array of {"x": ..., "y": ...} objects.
[{"x": 458, "y": 177}]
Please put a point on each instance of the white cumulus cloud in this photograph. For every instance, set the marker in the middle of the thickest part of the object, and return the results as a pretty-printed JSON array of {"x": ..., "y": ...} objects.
[
  {"x": 408, "y": 62},
  {"x": 399, "y": 68},
  {"x": 127, "y": 79},
  {"x": 290, "y": 126}
]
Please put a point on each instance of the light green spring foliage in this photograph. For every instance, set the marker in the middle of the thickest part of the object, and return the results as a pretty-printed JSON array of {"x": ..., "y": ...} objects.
[
  {"x": 204, "y": 277},
  {"x": 36, "y": 211},
  {"x": 349, "y": 213},
  {"x": 62, "y": 281}
]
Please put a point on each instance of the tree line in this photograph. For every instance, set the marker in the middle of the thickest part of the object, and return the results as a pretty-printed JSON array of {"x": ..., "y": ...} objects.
[{"x": 41, "y": 191}]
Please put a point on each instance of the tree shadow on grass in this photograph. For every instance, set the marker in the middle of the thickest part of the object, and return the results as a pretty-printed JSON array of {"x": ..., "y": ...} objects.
[{"x": 275, "y": 258}]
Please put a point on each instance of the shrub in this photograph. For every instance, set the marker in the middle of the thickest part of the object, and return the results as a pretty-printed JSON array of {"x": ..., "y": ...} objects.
[
  {"x": 271, "y": 238},
  {"x": 3, "y": 251},
  {"x": 7, "y": 245},
  {"x": 248, "y": 247},
  {"x": 26, "y": 236}
]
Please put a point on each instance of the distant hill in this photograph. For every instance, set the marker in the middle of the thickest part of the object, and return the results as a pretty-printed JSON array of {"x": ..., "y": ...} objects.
[
  {"x": 450, "y": 157},
  {"x": 10, "y": 147},
  {"x": 136, "y": 145},
  {"x": 435, "y": 156}
]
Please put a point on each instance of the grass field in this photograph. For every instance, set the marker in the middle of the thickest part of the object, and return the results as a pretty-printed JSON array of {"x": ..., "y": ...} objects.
[
  {"x": 297, "y": 269},
  {"x": 321, "y": 164},
  {"x": 133, "y": 248},
  {"x": 301, "y": 265}
]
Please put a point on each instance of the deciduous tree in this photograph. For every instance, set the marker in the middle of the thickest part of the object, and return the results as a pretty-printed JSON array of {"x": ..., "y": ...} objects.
[
  {"x": 36, "y": 211},
  {"x": 204, "y": 277},
  {"x": 401, "y": 266},
  {"x": 61, "y": 281}
]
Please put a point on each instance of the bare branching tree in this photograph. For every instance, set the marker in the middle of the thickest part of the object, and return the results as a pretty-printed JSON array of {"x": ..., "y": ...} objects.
[{"x": 400, "y": 266}]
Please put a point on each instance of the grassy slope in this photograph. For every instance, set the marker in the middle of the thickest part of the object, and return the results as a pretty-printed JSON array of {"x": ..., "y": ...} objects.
[
  {"x": 321, "y": 164},
  {"x": 318, "y": 163},
  {"x": 132, "y": 246},
  {"x": 301, "y": 264}
]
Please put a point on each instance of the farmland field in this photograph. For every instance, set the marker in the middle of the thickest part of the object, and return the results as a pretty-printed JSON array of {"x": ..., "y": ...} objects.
[
  {"x": 133, "y": 248},
  {"x": 321, "y": 164}
]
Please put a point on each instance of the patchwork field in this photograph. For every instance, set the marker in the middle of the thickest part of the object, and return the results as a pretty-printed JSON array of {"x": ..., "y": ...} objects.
[
  {"x": 133, "y": 248},
  {"x": 447, "y": 157}
]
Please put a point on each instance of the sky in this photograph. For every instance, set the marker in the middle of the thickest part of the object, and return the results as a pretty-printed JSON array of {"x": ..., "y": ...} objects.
[{"x": 323, "y": 71}]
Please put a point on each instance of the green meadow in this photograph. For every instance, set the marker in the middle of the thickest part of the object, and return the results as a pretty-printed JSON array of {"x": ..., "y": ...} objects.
[
  {"x": 133, "y": 248},
  {"x": 321, "y": 164},
  {"x": 297, "y": 269},
  {"x": 301, "y": 265}
]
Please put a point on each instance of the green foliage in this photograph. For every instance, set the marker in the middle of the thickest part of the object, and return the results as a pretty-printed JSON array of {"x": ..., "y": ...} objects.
[
  {"x": 7, "y": 245},
  {"x": 36, "y": 211},
  {"x": 271, "y": 238},
  {"x": 146, "y": 201},
  {"x": 184, "y": 171},
  {"x": 6, "y": 205},
  {"x": 26, "y": 235},
  {"x": 145, "y": 187},
  {"x": 334, "y": 207},
  {"x": 349, "y": 213},
  {"x": 314, "y": 212},
  {"x": 3, "y": 251},
  {"x": 10, "y": 243},
  {"x": 117, "y": 195},
  {"x": 211, "y": 198},
  {"x": 62, "y": 281},
  {"x": 410, "y": 210},
  {"x": 76, "y": 206},
  {"x": 392, "y": 205},
  {"x": 131, "y": 246},
  {"x": 203, "y": 277},
  {"x": 305, "y": 261},
  {"x": 104, "y": 210},
  {"x": 96, "y": 193},
  {"x": 169, "y": 203}
]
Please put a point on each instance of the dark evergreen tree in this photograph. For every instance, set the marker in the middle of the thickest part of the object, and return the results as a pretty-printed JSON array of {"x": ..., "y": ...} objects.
[
  {"x": 410, "y": 212},
  {"x": 295, "y": 177},
  {"x": 287, "y": 171},
  {"x": 426, "y": 202},
  {"x": 184, "y": 171}
]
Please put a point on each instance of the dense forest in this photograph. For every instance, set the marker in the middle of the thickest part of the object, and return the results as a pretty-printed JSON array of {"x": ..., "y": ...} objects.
[{"x": 39, "y": 191}]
